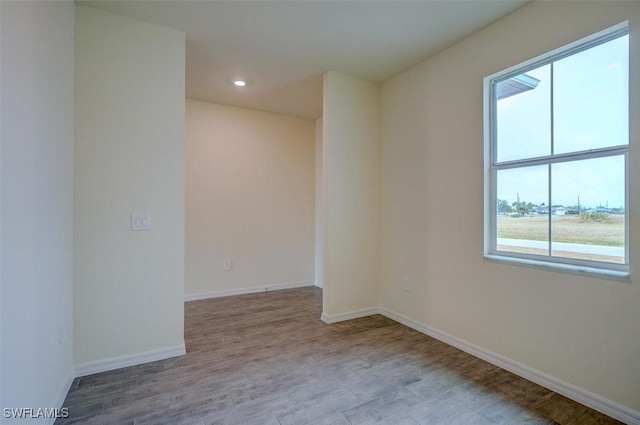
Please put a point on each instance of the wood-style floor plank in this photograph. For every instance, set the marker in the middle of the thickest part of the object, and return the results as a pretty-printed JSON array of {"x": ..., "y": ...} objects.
[{"x": 268, "y": 359}]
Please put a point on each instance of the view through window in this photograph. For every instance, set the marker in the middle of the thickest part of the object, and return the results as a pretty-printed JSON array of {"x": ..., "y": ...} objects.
[{"x": 560, "y": 134}]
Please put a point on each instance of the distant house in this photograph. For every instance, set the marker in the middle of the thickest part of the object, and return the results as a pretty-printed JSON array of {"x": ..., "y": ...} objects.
[
  {"x": 558, "y": 210},
  {"x": 542, "y": 209}
]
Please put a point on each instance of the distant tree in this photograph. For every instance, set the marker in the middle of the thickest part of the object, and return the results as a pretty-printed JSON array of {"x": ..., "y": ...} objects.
[
  {"x": 504, "y": 207},
  {"x": 522, "y": 208}
]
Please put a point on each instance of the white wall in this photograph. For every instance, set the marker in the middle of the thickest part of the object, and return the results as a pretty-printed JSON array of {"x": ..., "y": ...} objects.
[
  {"x": 249, "y": 199},
  {"x": 318, "y": 207},
  {"x": 578, "y": 329},
  {"x": 37, "y": 202},
  {"x": 351, "y": 195},
  {"x": 129, "y": 157}
]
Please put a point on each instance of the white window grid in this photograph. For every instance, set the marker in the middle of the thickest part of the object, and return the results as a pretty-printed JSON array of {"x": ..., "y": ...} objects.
[{"x": 494, "y": 166}]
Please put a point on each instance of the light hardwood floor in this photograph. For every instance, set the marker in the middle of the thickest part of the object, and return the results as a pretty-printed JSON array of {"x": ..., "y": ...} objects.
[{"x": 268, "y": 359}]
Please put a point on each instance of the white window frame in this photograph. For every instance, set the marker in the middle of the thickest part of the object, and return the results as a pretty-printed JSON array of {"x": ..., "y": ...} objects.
[{"x": 604, "y": 269}]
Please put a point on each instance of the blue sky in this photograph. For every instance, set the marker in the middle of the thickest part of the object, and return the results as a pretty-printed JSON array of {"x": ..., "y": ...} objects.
[{"x": 590, "y": 110}]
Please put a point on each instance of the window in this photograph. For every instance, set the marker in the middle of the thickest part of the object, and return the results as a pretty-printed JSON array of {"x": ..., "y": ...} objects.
[{"x": 557, "y": 141}]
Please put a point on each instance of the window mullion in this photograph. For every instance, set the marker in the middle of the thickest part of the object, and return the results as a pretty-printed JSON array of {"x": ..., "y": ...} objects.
[
  {"x": 551, "y": 117},
  {"x": 551, "y": 112},
  {"x": 565, "y": 157},
  {"x": 550, "y": 200}
]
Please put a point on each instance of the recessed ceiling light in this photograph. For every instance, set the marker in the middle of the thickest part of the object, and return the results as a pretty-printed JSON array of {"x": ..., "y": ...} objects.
[{"x": 240, "y": 83}]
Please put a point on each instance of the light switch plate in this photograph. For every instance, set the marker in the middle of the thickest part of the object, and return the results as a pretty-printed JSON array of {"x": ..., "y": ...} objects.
[{"x": 140, "y": 221}]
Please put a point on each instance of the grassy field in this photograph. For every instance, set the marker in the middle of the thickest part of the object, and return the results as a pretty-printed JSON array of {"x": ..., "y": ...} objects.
[{"x": 567, "y": 228}]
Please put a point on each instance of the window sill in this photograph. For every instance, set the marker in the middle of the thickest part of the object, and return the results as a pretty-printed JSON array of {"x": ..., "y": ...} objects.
[{"x": 618, "y": 275}]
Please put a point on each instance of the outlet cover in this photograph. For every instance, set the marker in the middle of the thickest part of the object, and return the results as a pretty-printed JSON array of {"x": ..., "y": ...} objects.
[
  {"x": 406, "y": 284},
  {"x": 140, "y": 221},
  {"x": 228, "y": 265}
]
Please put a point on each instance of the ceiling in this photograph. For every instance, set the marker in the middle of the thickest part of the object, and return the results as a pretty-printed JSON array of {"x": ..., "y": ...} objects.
[{"x": 283, "y": 48}]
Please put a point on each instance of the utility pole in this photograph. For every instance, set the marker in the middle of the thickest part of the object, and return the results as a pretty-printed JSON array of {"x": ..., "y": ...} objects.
[{"x": 579, "y": 210}]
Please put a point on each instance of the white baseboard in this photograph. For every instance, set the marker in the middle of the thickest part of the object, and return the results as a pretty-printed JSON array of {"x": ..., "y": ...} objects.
[
  {"x": 243, "y": 291},
  {"x": 113, "y": 363},
  {"x": 566, "y": 389},
  {"x": 58, "y": 402},
  {"x": 356, "y": 314}
]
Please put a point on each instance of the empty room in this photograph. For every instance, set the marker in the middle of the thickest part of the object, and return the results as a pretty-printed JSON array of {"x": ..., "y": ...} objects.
[{"x": 319, "y": 212}]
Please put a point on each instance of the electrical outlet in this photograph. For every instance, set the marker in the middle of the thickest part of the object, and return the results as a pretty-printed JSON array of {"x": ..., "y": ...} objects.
[
  {"x": 406, "y": 285},
  {"x": 228, "y": 265},
  {"x": 140, "y": 221}
]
